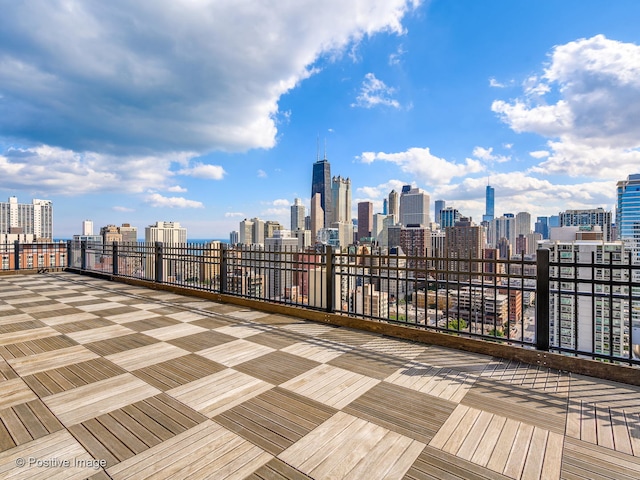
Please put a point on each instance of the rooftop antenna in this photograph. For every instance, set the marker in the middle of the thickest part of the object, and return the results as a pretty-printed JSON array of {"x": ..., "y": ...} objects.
[
  {"x": 325, "y": 148},
  {"x": 318, "y": 147}
]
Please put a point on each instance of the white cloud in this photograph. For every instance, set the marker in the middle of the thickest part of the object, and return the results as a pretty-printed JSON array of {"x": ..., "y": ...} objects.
[
  {"x": 281, "y": 202},
  {"x": 394, "y": 58},
  {"x": 421, "y": 164},
  {"x": 234, "y": 215},
  {"x": 262, "y": 174},
  {"x": 201, "y": 170},
  {"x": 594, "y": 125},
  {"x": 374, "y": 92},
  {"x": 176, "y": 189},
  {"x": 487, "y": 155},
  {"x": 51, "y": 170},
  {"x": 157, "y": 200},
  {"x": 118, "y": 208},
  {"x": 496, "y": 84},
  {"x": 539, "y": 154},
  {"x": 164, "y": 76}
]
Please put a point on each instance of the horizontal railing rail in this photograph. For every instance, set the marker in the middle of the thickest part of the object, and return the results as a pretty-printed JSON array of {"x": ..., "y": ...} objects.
[{"x": 587, "y": 308}]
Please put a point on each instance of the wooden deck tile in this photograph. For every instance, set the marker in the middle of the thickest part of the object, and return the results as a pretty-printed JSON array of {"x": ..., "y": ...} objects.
[
  {"x": 275, "y": 420},
  {"x": 33, "y": 347},
  {"x": 402, "y": 410},
  {"x": 13, "y": 392},
  {"x": 201, "y": 341},
  {"x": 71, "y": 376},
  {"x": 205, "y": 450},
  {"x": 433, "y": 464},
  {"x": 178, "y": 371},
  {"x": 277, "y": 339},
  {"x": 51, "y": 360},
  {"x": 55, "y": 448},
  {"x": 276, "y": 469},
  {"x": 440, "y": 382},
  {"x": 332, "y": 386},
  {"x": 276, "y": 367},
  {"x": 27, "y": 335},
  {"x": 82, "y": 403},
  {"x": 221, "y": 391},
  {"x": 144, "y": 324},
  {"x": 317, "y": 351},
  {"x": 112, "y": 346},
  {"x": 141, "y": 357},
  {"x": 586, "y": 460},
  {"x": 349, "y": 447},
  {"x": 367, "y": 363},
  {"x": 174, "y": 331},
  {"x": 395, "y": 348},
  {"x": 96, "y": 334},
  {"x": 235, "y": 352},
  {"x": 24, "y": 422},
  {"x": 241, "y": 331},
  {"x": 539, "y": 408},
  {"x": 63, "y": 318}
]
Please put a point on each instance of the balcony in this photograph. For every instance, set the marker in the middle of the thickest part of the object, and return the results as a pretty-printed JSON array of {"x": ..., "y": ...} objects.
[{"x": 106, "y": 379}]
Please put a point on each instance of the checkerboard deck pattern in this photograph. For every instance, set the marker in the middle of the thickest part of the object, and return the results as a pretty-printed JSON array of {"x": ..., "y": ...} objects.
[{"x": 105, "y": 380}]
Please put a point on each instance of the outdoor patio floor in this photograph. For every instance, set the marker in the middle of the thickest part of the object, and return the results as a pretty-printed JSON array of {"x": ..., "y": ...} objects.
[{"x": 100, "y": 379}]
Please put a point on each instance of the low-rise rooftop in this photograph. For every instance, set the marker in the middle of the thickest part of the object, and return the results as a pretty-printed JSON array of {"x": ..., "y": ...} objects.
[{"x": 105, "y": 380}]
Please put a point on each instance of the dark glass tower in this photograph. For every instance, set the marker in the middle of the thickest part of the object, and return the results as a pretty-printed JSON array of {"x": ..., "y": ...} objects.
[{"x": 321, "y": 183}]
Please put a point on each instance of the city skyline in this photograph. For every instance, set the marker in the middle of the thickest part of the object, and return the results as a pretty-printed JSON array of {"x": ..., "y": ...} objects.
[{"x": 539, "y": 101}]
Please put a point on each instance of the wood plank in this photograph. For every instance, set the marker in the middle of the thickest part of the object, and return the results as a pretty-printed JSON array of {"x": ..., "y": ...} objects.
[
  {"x": 552, "y": 465},
  {"x": 517, "y": 456},
  {"x": 620, "y": 432},
  {"x": 489, "y": 440},
  {"x": 108, "y": 439},
  {"x": 27, "y": 335},
  {"x": 14, "y": 392},
  {"x": 535, "y": 455},
  {"x": 475, "y": 436},
  {"x": 446, "y": 430},
  {"x": 51, "y": 360},
  {"x": 141, "y": 357},
  {"x": 504, "y": 445},
  {"x": 101, "y": 333},
  {"x": 633, "y": 426},
  {"x": 15, "y": 427},
  {"x": 461, "y": 431},
  {"x": 588, "y": 428}
]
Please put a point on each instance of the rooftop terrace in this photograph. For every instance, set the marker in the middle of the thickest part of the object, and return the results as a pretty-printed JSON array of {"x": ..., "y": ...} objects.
[{"x": 105, "y": 380}]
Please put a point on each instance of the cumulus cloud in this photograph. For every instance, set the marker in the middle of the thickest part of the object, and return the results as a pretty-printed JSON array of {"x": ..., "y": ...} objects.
[
  {"x": 539, "y": 154},
  {"x": 157, "y": 200},
  {"x": 201, "y": 170},
  {"x": 234, "y": 215},
  {"x": 487, "y": 155},
  {"x": 424, "y": 166},
  {"x": 262, "y": 174},
  {"x": 281, "y": 202},
  {"x": 374, "y": 92},
  {"x": 593, "y": 120},
  {"x": 176, "y": 189},
  {"x": 52, "y": 170},
  {"x": 381, "y": 190},
  {"x": 158, "y": 76}
]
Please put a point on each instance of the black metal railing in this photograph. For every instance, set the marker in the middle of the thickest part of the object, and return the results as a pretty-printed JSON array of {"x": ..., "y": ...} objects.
[{"x": 579, "y": 306}]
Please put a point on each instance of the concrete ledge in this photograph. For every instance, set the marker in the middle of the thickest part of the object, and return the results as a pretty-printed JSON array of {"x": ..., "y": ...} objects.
[{"x": 583, "y": 366}]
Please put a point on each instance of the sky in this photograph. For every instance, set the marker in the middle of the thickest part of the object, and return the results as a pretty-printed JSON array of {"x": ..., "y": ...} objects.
[{"x": 206, "y": 112}]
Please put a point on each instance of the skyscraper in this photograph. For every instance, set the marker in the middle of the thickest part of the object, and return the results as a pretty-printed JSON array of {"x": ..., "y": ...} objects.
[
  {"x": 489, "y": 204},
  {"x": 317, "y": 216},
  {"x": 365, "y": 219},
  {"x": 35, "y": 218},
  {"x": 394, "y": 206},
  {"x": 628, "y": 209},
  {"x": 439, "y": 206},
  {"x": 321, "y": 184},
  {"x": 414, "y": 207},
  {"x": 340, "y": 200},
  {"x": 590, "y": 217},
  {"x": 297, "y": 215},
  {"x": 167, "y": 232}
]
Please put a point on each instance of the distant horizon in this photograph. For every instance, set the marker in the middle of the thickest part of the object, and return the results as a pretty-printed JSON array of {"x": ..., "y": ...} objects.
[{"x": 210, "y": 114}]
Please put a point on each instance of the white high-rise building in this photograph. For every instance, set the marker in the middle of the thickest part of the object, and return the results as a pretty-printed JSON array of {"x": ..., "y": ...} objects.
[
  {"x": 165, "y": 232},
  {"x": 35, "y": 219},
  {"x": 394, "y": 206},
  {"x": 87, "y": 227},
  {"x": 297, "y": 215},
  {"x": 246, "y": 232},
  {"x": 414, "y": 207},
  {"x": 341, "y": 199}
]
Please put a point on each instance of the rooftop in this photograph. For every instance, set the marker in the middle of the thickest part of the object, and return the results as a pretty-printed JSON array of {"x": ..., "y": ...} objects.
[{"x": 105, "y": 380}]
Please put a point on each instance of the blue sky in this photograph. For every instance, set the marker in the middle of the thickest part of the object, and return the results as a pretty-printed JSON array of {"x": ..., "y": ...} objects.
[{"x": 209, "y": 112}]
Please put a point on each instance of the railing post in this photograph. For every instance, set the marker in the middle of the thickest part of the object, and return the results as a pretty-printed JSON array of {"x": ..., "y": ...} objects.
[
  {"x": 542, "y": 299},
  {"x": 329, "y": 267},
  {"x": 69, "y": 253},
  {"x": 114, "y": 257},
  {"x": 223, "y": 268},
  {"x": 159, "y": 262},
  {"x": 16, "y": 255},
  {"x": 83, "y": 255}
]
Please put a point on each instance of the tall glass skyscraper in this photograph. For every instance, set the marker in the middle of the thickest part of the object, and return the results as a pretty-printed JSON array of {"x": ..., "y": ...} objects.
[
  {"x": 489, "y": 204},
  {"x": 628, "y": 209},
  {"x": 321, "y": 183}
]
